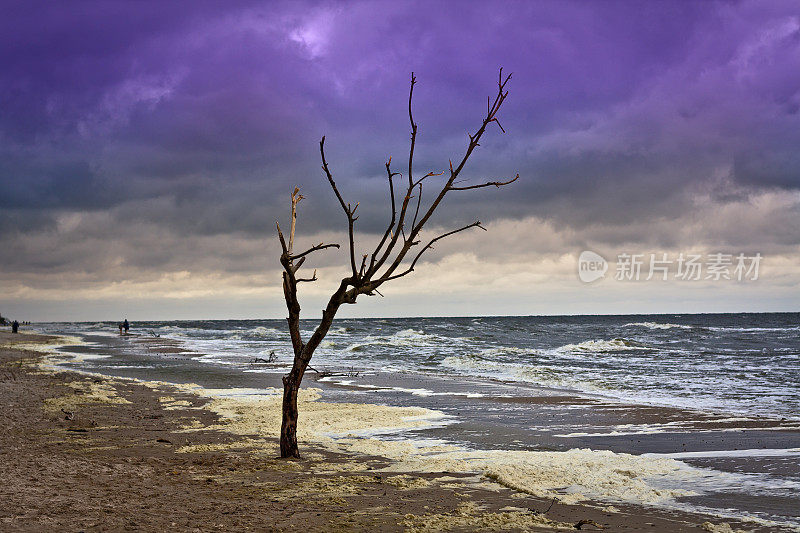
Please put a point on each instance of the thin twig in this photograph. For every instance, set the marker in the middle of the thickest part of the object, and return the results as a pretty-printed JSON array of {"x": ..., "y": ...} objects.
[{"x": 487, "y": 184}]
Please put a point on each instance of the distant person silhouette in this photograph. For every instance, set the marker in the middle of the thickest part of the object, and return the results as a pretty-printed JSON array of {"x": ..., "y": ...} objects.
[
  {"x": 15, "y": 327},
  {"x": 126, "y": 325},
  {"x": 120, "y": 327}
]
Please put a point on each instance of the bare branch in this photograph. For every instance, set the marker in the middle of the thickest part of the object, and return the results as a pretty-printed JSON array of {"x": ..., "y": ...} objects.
[
  {"x": 363, "y": 265},
  {"x": 389, "y": 228},
  {"x": 376, "y": 265},
  {"x": 413, "y": 131},
  {"x": 474, "y": 141},
  {"x": 429, "y": 246},
  {"x": 296, "y": 266},
  {"x": 330, "y": 178},
  {"x": 419, "y": 201},
  {"x": 487, "y": 184},
  {"x": 320, "y": 246},
  {"x": 283, "y": 241},
  {"x": 312, "y": 278},
  {"x": 345, "y": 207},
  {"x": 296, "y": 197},
  {"x": 428, "y": 175}
]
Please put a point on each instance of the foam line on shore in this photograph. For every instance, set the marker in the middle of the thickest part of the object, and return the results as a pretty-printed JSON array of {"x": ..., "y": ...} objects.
[
  {"x": 250, "y": 411},
  {"x": 571, "y": 476},
  {"x": 50, "y": 346},
  {"x": 758, "y": 452}
]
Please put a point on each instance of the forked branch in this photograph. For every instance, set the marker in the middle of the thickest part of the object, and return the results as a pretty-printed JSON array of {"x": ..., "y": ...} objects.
[
  {"x": 418, "y": 222},
  {"x": 429, "y": 246},
  {"x": 312, "y": 278}
]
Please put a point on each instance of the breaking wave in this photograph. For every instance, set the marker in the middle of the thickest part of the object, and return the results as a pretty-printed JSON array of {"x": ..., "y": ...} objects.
[
  {"x": 601, "y": 346},
  {"x": 656, "y": 325},
  {"x": 405, "y": 338}
]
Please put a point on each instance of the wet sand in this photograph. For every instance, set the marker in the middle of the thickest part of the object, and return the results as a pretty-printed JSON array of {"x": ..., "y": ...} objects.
[{"x": 88, "y": 453}]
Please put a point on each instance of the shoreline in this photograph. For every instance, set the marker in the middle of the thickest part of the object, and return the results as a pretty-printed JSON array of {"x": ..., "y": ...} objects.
[{"x": 87, "y": 442}]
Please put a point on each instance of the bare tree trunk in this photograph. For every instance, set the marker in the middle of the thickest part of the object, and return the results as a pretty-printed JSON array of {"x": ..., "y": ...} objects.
[
  {"x": 289, "y": 424},
  {"x": 367, "y": 278}
]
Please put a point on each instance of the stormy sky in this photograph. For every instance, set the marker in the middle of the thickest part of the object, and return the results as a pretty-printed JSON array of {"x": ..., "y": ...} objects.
[{"x": 147, "y": 149}]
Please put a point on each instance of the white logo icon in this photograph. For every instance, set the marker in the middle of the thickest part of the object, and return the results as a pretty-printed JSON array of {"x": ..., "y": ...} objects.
[{"x": 591, "y": 266}]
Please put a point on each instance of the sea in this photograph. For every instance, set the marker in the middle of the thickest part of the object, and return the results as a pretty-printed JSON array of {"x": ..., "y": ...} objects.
[{"x": 719, "y": 393}]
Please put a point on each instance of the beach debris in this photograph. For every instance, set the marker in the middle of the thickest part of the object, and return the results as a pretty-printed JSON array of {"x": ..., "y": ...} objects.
[
  {"x": 722, "y": 527},
  {"x": 587, "y": 522},
  {"x": 271, "y": 358},
  {"x": 352, "y": 373},
  {"x": 406, "y": 482},
  {"x": 534, "y": 511},
  {"x": 69, "y": 414}
]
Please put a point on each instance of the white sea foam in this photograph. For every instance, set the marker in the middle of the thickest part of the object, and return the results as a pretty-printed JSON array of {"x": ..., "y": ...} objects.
[
  {"x": 601, "y": 345},
  {"x": 406, "y": 337},
  {"x": 630, "y": 429},
  {"x": 51, "y": 346},
  {"x": 494, "y": 369},
  {"x": 264, "y": 331},
  {"x": 656, "y": 325},
  {"x": 571, "y": 476},
  {"x": 105, "y": 334},
  {"x": 258, "y": 411},
  {"x": 758, "y": 452},
  {"x": 242, "y": 393},
  {"x": 384, "y": 388},
  {"x": 753, "y": 330}
]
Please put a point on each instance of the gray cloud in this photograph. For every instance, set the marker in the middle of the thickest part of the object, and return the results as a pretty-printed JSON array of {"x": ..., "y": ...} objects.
[{"x": 144, "y": 140}]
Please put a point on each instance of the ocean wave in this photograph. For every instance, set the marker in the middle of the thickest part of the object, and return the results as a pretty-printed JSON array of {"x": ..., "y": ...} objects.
[
  {"x": 405, "y": 338},
  {"x": 754, "y": 330},
  {"x": 264, "y": 331},
  {"x": 506, "y": 350},
  {"x": 256, "y": 333},
  {"x": 601, "y": 346},
  {"x": 475, "y": 365},
  {"x": 656, "y": 325}
]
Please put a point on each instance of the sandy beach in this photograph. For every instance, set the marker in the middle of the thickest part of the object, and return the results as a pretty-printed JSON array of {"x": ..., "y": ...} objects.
[{"x": 89, "y": 453}]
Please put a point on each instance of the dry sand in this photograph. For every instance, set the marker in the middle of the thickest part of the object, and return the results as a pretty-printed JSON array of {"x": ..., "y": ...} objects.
[{"x": 89, "y": 453}]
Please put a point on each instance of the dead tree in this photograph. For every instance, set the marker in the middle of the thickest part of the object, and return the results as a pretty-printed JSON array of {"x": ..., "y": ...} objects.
[{"x": 389, "y": 260}]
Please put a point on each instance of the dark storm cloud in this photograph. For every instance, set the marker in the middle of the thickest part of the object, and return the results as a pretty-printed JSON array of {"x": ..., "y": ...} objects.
[{"x": 167, "y": 124}]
